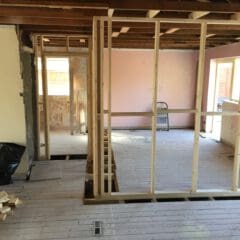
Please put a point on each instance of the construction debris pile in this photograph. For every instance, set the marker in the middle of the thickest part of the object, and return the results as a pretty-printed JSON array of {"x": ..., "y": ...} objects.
[{"x": 7, "y": 203}]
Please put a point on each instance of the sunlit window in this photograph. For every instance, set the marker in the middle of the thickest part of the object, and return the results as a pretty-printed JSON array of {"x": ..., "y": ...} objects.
[{"x": 57, "y": 76}]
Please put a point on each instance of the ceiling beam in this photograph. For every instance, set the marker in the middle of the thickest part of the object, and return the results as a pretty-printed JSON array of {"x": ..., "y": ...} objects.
[
  {"x": 64, "y": 4},
  {"x": 45, "y": 21},
  {"x": 50, "y": 12},
  {"x": 164, "y": 5}
]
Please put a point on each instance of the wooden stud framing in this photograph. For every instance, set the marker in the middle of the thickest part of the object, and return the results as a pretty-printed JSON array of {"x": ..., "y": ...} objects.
[
  {"x": 45, "y": 101},
  {"x": 89, "y": 102},
  {"x": 67, "y": 43},
  {"x": 154, "y": 105},
  {"x": 94, "y": 111},
  {"x": 37, "y": 94},
  {"x": 198, "y": 106},
  {"x": 101, "y": 107},
  {"x": 98, "y": 115},
  {"x": 109, "y": 106},
  {"x": 71, "y": 96},
  {"x": 46, "y": 53}
]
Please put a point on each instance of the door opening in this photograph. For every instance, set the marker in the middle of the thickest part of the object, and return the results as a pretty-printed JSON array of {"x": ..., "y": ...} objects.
[
  {"x": 220, "y": 88},
  {"x": 66, "y": 79}
]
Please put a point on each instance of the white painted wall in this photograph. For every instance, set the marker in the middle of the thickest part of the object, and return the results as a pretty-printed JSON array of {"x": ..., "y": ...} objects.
[
  {"x": 12, "y": 119},
  {"x": 229, "y": 123}
]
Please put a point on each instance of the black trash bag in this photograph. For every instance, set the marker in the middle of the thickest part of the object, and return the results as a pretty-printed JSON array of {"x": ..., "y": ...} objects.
[{"x": 10, "y": 157}]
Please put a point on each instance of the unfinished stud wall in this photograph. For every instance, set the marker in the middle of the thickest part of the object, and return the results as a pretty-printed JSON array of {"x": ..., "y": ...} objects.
[
  {"x": 132, "y": 89},
  {"x": 12, "y": 119}
]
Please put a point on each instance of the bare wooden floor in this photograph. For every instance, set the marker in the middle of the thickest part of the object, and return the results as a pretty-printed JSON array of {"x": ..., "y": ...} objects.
[
  {"x": 61, "y": 142},
  {"x": 132, "y": 151},
  {"x": 53, "y": 209}
]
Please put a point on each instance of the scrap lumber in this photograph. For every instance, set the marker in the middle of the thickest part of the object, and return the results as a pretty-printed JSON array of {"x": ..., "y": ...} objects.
[
  {"x": 5, "y": 209},
  {"x": 7, "y": 203},
  {"x": 3, "y": 217},
  {"x": 3, "y": 197}
]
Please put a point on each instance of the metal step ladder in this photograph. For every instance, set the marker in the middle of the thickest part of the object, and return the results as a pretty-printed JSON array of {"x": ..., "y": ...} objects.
[{"x": 162, "y": 116}]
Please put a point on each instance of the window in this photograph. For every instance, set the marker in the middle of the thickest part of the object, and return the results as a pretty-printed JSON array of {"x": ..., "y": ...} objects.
[{"x": 57, "y": 76}]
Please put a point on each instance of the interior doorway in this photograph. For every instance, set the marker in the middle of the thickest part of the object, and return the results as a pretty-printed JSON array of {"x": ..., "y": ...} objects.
[
  {"x": 220, "y": 90},
  {"x": 66, "y": 84}
]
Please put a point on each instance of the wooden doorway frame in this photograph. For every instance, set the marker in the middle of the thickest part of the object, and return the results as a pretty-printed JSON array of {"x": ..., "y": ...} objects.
[{"x": 41, "y": 50}]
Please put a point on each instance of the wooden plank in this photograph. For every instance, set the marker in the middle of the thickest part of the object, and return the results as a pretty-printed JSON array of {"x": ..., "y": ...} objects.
[
  {"x": 101, "y": 122},
  {"x": 126, "y": 114},
  {"x": 94, "y": 110},
  {"x": 198, "y": 107},
  {"x": 109, "y": 106},
  {"x": 3, "y": 217},
  {"x": 61, "y": 54},
  {"x": 45, "y": 101},
  {"x": 71, "y": 96},
  {"x": 172, "y": 20},
  {"x": 36, "y": 55},
  {"x": 126, "y": 5},
  {"x": 152, "y": 13},
  {"x": 89, "y": 102},
  {"x": 55, "y": 13},
  {"x": 154, "y": 105},
  {"x": 198, "y": 14},
  {"x": 176, "y": 5},
  {"x": 110, "y": 12},
  {"x": 3, "y": 197},
  {"x": 5, "y": 210}
]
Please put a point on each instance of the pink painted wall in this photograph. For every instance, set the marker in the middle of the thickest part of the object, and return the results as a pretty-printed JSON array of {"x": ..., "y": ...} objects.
[{"x": 132, "y": 74}]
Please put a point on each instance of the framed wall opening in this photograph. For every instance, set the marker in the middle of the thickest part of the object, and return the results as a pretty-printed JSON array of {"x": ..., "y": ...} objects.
[
  {"x": 223, "y": 87},
  {"x": 63, "y": 73},
  {"x": 102, "y": 160}
]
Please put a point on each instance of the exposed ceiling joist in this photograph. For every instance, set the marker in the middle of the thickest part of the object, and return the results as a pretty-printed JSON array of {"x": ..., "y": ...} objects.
[
  {"x": 124, "y": 29},
  {"x": 164, "y": 5},
  {"x": 110, "y": 12},
  {"x": 210, "y": 35},
  {"x": 152, "y": 13},
  {"x": 198, "y": 14},
  {"x": 236, "y": 16},
  {"x": 50, "y": 12}
]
